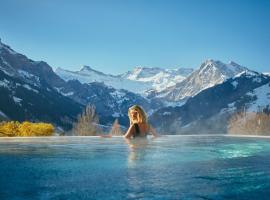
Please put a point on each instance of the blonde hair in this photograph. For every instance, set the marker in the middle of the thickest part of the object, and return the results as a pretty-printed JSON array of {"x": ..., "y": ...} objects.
[{"x": 141, "y": 117}]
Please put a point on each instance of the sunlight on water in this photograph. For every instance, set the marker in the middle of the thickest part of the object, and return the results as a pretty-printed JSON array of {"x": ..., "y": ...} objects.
[{"x": 240, "y": 150}]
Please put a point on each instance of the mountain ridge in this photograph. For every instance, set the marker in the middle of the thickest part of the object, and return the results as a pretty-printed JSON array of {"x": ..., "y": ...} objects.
[
  {"x": 110, "y": 103},
  {"x": 209, "y": 110},
  {"x": 31, "y": 90}
]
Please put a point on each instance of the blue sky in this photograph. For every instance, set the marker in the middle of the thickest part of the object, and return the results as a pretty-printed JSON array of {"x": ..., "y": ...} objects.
[{"x": 114, "y": 36}]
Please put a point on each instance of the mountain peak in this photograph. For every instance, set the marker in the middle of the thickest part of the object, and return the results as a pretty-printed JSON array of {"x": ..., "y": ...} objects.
[
  {"x": 234, "y": 63},
  {"x": 210, "y": 73},
  {"x": 231, "y": 67},
  {"x": 139, "y": 67},
  {"x": 211, "y": 62},
  {"x": 7, "y": 48},
  {"x": 89, "y": 70},
  {"x": 86, "y": 68}
]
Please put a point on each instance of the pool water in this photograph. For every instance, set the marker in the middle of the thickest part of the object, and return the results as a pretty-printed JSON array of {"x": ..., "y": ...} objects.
[{"x": 171, "y": 167}]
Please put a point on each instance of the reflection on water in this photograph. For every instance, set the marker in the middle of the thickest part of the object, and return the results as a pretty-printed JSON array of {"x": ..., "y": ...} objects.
[
  {"x": 137, "y": 150},
  {"x": 173, "y": 167}
]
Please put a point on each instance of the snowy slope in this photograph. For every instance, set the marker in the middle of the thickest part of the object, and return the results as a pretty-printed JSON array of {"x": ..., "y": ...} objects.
[
  {"x": 262, "y": 98},
  {"x": 258, "y": 98}
]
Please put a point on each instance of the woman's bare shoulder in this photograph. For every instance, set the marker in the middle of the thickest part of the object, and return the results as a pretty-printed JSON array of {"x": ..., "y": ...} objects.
[{"x": 143, "y": 125}]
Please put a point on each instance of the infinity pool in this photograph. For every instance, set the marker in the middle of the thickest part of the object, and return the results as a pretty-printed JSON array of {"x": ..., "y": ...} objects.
[{"x": 171, "y": 167}]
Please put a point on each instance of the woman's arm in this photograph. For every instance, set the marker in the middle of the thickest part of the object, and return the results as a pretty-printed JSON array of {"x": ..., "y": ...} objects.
[
  {"x": 129, "y": 132},
  {"x": 105, "y": 136}
]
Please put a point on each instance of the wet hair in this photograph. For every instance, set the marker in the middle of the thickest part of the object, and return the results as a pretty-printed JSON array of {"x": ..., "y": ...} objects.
[{"x": 141, "y": 117}]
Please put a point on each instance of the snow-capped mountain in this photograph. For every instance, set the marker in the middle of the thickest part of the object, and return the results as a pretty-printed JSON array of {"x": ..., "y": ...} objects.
[
  {"x": 210, "y": 110},
  {"x": 141, "y": 80},
  {"x": 208, "y": 75},
  {"x": 89, "y": 75},
  {"x": 157, "y": 77}
]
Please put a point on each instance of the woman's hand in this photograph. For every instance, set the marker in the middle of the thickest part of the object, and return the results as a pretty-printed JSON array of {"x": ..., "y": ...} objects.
[{"x": 129, "y": 132}]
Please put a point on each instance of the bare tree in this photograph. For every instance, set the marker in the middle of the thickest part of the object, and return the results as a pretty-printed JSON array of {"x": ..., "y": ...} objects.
[
  {"x": 250, "y": 124},
  {"x": 116, "y": 130},
  {"x": 87, "y": 124}
]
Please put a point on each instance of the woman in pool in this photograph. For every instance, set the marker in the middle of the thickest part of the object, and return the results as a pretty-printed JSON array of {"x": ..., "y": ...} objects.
[{"x": 139, "y": 126}]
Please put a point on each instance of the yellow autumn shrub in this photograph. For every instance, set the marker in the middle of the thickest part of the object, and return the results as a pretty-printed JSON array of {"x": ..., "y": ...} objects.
[
  {"x": 25, "y": 129},
  {"x": 9, "y": 128}
]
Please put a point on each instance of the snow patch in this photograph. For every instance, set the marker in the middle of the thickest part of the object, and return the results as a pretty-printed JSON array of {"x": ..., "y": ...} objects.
[
  {"x": 5, "y": 62},
  {"x": 4, "y": 83},
  {"x": 150, "y": 112},
  {"x": 247, "y": 73},
  {"x": 28, "y": 75},
  {"x": 234, "y": 83},
  {"x": 29, "y": 88},
  {"x": 63, "y": 93},
  {"x": 3, "y": 114},
  {"x": 119, "y": 96},
  {"x": 17, "y": 100},
  {"x": 58, "y": 89},
  {"x": 167, "y": 113},
  {"x": 231, "y": 107},
  {"x": 6, "y": 72},
  {"x": 174, "y": 104},
  {"x": 67, "y": 94}
]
